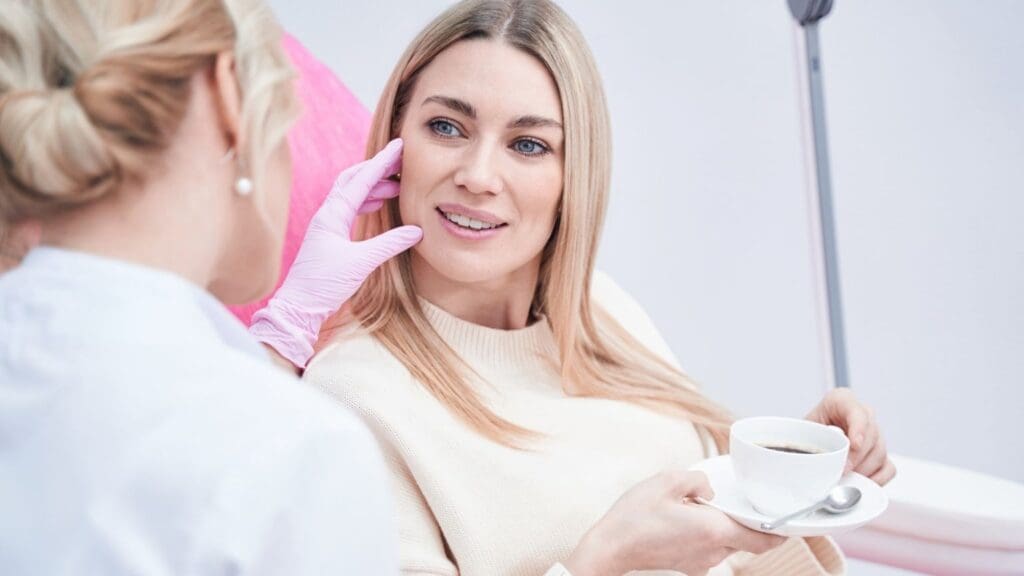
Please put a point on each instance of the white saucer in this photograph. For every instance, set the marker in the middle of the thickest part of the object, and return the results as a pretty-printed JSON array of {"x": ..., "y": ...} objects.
[{"x": 728, "y": 499}]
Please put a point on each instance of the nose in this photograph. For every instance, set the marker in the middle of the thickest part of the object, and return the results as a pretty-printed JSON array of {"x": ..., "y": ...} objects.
[{"x": 479, "y": 171}]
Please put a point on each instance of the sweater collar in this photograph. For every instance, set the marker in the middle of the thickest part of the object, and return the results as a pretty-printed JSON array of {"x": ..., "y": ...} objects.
[{"x": 506, "y": 349}]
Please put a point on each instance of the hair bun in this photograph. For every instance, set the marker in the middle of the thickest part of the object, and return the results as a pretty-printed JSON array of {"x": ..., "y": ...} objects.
[
  {"x": 51, "y": 154},
  {"x": 92, "y": 93}
]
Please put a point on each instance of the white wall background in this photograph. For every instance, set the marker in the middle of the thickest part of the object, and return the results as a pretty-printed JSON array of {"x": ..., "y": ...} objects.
[{"x": 709, "y": 228}]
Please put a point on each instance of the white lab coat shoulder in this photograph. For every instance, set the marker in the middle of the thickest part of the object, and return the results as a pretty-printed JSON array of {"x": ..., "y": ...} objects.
[
  {"x": 271, "y": 480},
  {"x": 145, "y": 432}
]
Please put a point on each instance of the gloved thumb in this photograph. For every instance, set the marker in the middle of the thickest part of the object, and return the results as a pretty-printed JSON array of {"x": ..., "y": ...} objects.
[{"x": 386, "y": 246}]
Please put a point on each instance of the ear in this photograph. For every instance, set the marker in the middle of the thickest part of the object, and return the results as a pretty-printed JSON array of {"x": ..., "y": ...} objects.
[{"x": 228, "y": 97}]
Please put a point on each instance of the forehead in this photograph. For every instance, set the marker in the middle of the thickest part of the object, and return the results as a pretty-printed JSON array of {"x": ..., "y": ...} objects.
[{"x": 497, "y": 79}]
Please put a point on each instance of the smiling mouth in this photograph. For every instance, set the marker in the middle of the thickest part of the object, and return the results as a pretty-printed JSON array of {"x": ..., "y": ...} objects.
[{"x": 468, "y": 223}]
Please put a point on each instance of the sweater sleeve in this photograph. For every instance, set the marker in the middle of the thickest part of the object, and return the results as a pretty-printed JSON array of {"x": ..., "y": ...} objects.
[
  {"x": 421, "y": 544},
  {"x": 420, "y": 541}
]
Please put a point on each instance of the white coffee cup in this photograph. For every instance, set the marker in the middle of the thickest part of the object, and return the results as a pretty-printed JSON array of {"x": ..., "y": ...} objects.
[{"x": 775, "y": 481}]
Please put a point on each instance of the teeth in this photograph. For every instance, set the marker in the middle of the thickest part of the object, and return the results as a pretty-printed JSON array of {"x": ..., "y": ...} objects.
[{"x": 467, "y": 222}]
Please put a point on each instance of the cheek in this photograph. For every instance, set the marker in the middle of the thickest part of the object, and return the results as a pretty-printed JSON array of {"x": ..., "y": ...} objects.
[
  {"x": 422, "y": 168},
  {"x": 407, "y": 204},
  {"x": 541, "y": 204}
]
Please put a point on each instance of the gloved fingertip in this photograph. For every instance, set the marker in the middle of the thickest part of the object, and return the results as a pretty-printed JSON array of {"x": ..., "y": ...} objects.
[
  {"x": 411, "y": 234},
  {"x": 371, "y": 206},
  {"x": 392, "y": 243},
  {"x": 392, "y": 148},
  {"x": 389, "y": 159},
  {"x": 384, "y": 189}
]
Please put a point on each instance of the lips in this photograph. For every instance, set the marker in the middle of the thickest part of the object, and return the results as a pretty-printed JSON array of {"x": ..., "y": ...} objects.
[
  {"x": 469, "y": 223},
  {"x": 479, "y": 215},
  {"x": 469, "y": 217}
]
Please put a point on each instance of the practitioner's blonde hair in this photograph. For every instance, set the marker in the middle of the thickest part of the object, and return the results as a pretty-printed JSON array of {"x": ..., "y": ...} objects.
[
  {"x": 598, "y": 358},
  {"x": 92, "y": 91}
]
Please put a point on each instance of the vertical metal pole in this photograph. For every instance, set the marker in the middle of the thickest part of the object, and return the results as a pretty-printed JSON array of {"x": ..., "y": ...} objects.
[{"x": 824, "y": 191}]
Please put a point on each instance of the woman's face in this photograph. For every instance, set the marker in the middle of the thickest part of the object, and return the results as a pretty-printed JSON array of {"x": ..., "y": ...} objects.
[{"x": 482, "y": 167}]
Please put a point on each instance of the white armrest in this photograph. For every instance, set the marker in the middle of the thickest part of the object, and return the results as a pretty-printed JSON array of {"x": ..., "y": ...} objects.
[{"x": 945, "y": 520}]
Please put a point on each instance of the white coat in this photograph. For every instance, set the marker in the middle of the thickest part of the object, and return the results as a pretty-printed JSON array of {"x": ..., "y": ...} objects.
[{"x": 143, "y": 431}]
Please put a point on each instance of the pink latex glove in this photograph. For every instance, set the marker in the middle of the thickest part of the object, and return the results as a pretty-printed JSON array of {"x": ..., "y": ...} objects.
[{"x": 329, "y": 266}]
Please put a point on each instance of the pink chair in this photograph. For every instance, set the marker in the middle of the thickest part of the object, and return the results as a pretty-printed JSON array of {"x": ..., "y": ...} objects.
[{"x": 329, "y": 137}]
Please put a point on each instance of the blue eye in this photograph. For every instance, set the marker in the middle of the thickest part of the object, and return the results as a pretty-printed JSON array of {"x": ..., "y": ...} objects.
[
  {"x": 529, "y": 147},
  {"x": 444, "y": 128}
]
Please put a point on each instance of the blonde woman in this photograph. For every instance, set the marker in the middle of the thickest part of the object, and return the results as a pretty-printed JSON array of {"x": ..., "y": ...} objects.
[
  {"x": 143, "y": 430},
  {"x": 532, "y": 417}
]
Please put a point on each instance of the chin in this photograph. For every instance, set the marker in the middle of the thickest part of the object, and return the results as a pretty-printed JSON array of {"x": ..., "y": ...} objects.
[{"x": 462, "y": 267}]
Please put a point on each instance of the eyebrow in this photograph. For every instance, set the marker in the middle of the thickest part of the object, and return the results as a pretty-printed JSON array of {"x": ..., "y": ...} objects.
[
  {"x": 466, "y": 109},
  {"x": 460, "y": 106},
  {"x": 534, "y": 122}
]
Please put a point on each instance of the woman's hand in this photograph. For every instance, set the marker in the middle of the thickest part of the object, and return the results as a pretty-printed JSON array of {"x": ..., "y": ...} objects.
[
  {"x": 868, "y": 455},
  {"x": 658, "y": 525},
  {"x": 329, "y": 266}
]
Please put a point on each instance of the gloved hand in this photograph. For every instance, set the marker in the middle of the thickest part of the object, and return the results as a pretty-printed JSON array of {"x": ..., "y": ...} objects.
[{"x": 329, "y": 266}]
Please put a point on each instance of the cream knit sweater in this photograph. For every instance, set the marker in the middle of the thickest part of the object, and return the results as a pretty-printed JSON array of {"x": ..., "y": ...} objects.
[{"x": 469, "y": 506}]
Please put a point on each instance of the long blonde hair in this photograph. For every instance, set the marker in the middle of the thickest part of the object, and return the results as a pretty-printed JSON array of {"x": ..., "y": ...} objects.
[
  {"x": 598, "y": 357},
  {"x": 92, "y": 91}
]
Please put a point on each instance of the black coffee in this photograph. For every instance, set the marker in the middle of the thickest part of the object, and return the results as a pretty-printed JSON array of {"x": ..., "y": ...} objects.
[{"x": 791, "y": 449}]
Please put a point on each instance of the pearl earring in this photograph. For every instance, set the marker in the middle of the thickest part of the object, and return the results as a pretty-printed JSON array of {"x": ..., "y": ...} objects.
[{"x": 243, "y": 186}]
